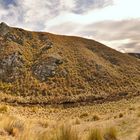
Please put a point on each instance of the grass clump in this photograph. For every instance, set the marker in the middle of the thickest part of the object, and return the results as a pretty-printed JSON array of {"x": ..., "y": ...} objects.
[
  {"x": 85, "y": 114},
  {"x": 95, "y": 134},
  {"x": 120, "y": 115},
  {"x": 4, "y": 109},
  {"x": 43, "y": 124},
  {"x": 95, "y": 117},
  {"x": 110, "y": 134},
  {"x": 132, "y": 108},
  {"x": 77, "y": 121},
  {"x": 12, "y": 125},
  {"x": 66, "y": 132}
]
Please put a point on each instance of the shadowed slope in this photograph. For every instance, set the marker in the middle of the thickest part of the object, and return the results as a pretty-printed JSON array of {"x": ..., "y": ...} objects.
[{"x": 137, "y": 55}]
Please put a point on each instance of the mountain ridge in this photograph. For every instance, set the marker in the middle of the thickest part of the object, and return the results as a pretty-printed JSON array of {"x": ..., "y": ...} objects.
[{"x": 137, "y": 55}]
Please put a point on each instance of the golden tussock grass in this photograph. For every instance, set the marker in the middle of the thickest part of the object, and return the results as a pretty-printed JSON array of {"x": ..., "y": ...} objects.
[
  {"x": 4, "y": 109},
  {"x": 110, "y": 133},
  {"x": 90, "y": 70},
  {"x": 51, "y": 123},
  {"x": 95, "y": 134},
  {"x": 27, "y": 130}
]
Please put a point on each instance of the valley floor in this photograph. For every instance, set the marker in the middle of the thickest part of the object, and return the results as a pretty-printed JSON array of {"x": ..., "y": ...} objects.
[{"x": 121, "y": 118}]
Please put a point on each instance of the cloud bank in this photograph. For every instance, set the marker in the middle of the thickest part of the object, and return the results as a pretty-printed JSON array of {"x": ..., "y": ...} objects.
[{"x": 113, "y": 22}]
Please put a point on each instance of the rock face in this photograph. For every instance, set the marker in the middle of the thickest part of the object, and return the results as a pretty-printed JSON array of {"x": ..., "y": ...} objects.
[
  {"x": 48, "y": 45},
  {"x": 10, "y": 66},
  {"x": 47, "y": 68},
  {"x": 4, "y": 28},
  {"x": 11, "y": 37}
]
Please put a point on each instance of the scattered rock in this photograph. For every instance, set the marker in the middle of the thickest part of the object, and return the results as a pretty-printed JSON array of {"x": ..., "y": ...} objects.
[
  {"x": 10, "y": 37},
  {"x": 47, "y": 46},
  {"x": 55, "y": 58},
  {"x": 14, "y": 38},
  {"x": 64, "y": 73}
]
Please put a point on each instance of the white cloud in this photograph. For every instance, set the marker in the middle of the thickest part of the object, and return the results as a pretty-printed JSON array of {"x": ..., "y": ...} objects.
[{"x": 72, "y": 17}]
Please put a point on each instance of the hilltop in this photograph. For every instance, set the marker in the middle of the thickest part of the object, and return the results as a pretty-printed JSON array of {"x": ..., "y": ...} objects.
[{"x": 44, "y": 68}]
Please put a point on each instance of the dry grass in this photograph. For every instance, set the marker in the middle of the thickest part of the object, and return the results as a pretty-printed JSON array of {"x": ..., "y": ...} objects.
[
  {"x": 106, "y": 134},
  {"x": 87, "y": 74},
  {"x": 95, "y": 117},
  {"x": 77, "y": 121},
  {"x": 120, "y": 115},
  {"x": 138, "y": 114},
  {"x": 17, "y": 129},
  {"x": 91, "y": 72},
  {"x": 21, "y": 130},
  {"x": 4, "y": 108},
  {"x": 66, "y": 132},
  {"x": 110, "y": 134},
  {"x": 138, "y": 137},
  {"x": 95, "y": 134},
  {"x": 83, "y": 115},
  {"x": 58, "y": 123},
  {"x": 12, "y": 125}
]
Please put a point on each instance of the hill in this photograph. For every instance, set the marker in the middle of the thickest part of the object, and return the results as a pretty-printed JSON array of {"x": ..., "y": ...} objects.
[
  {"x": 44, "y": 68},
  {"x": 137, "y": 55}
]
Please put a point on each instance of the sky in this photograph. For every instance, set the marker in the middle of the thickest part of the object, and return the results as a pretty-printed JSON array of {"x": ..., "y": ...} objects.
[{"x": 115, "y": 23}]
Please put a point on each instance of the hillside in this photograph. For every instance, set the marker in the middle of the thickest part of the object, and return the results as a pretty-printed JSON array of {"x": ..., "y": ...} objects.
[
  {"x": 137, "y": 55},
  {"x": 43, "y": 68}
]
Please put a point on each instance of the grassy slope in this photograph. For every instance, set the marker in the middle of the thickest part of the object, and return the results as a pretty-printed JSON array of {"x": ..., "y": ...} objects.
[{"x": 94, "y": 71}]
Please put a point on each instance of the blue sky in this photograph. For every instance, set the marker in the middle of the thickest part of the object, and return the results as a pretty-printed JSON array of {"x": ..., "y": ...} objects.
[
  {"x": 7, "y": 2},
  {"x": 112, "y": 22}
]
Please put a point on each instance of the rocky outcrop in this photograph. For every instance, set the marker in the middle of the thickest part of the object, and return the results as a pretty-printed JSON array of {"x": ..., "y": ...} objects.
[
  {"x": 4, "y": 28},
  {"x": 47, "y": 68},
  {"x": 11, "y": 37},
  {"x": 10, "y": 66},
  {"x": 46, "y": 46}
]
